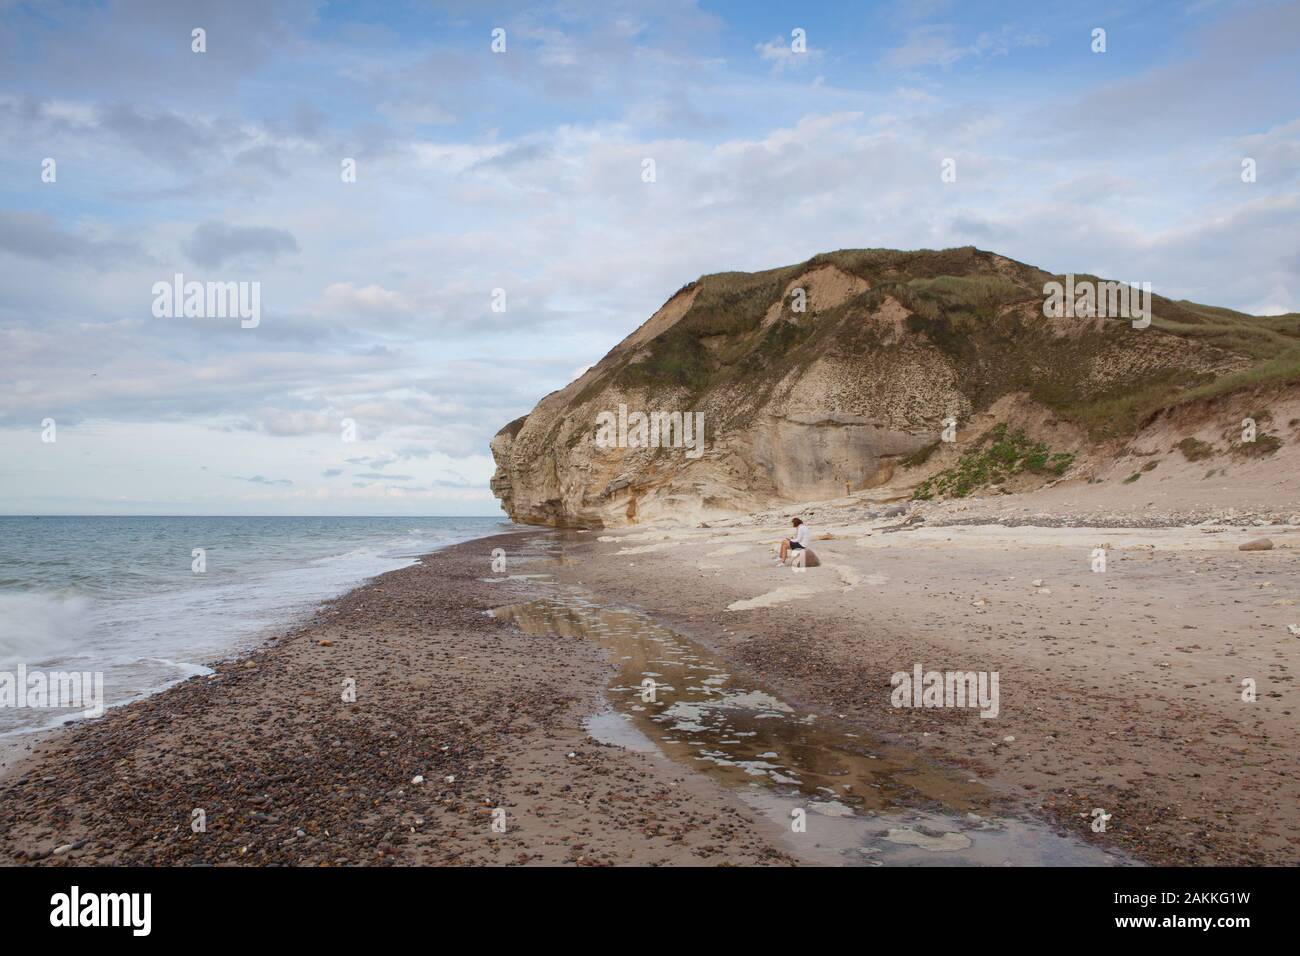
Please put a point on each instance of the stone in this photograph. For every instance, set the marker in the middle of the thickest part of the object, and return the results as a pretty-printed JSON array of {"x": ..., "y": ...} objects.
[{"x": 1259, "y": 544}]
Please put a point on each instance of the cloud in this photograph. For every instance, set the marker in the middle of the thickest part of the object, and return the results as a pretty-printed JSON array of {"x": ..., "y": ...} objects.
[
  {"x": 936, "y": 45},
  {"x": 262, "y": 480},
  {"x": 38, "y": 236},
  {"x": 347, "y": 298},
  {"x": 293, "y": 422},
  {"x": 215, "y": 244},
  {"x": 522, "y": 172},
  {"x": 1239, "y": 75},
  {"x": 781, "y": 54}
]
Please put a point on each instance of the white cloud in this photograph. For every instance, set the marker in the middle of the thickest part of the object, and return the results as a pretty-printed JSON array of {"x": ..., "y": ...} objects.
[
  {"x": 936, "y": 45},
  {"x": 781, "y": 54}
]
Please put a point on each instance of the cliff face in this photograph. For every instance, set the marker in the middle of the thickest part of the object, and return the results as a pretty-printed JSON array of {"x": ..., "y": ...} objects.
[{"x": 825, "y": 376}]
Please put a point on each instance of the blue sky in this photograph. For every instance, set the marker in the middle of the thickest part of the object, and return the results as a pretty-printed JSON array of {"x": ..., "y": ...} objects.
[{"x": 522, "y": 171}]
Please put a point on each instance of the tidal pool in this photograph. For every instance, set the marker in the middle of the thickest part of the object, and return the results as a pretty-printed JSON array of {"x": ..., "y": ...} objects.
[{"x": 860, "y": 801}]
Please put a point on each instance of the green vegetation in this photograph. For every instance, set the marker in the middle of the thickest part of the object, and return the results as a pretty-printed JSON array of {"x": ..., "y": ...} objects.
[
  {"x": 1262, "y": 446},
  {"x": 996, "y": 456},
  {"x": 675, "y": 359},
  {"x": 984, "y": 314},
  {"x": 1194, "y": 449}
]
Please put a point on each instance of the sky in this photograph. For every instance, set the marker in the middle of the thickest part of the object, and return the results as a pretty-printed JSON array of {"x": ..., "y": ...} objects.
[{"x": 501, "y": 233}]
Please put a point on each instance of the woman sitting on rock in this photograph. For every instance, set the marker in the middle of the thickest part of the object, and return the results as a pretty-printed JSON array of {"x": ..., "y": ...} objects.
[{"x": 798, "y": 543}]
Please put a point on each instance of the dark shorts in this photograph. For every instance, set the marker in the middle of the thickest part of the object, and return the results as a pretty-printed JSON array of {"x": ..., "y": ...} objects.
[{"x": 795, "y": 547}]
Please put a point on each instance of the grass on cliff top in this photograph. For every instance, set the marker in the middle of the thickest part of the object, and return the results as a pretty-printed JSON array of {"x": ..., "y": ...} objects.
[
  {"x": 997, "y": 455},
  {"x": 733, "y": 304},
  {"x": 971, "y": 305},
  {"x": 1115, "y": 415}
]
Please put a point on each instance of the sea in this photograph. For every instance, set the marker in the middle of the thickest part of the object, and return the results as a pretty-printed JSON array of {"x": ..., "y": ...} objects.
[{"x": 150, "y": 601}]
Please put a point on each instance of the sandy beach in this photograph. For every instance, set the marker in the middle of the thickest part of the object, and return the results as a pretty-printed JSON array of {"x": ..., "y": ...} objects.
[{"x": 1120, "y": 690}]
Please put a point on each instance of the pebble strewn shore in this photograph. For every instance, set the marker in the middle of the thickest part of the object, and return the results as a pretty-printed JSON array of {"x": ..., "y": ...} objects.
[{"x": 456, "y": 716}]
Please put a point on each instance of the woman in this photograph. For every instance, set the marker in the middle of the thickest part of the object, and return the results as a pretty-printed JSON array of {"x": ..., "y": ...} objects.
[{"x": 797, "y": 543}]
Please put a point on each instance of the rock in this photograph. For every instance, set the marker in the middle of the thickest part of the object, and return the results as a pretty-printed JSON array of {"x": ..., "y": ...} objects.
[
  {"x": 1294, "y": 629},
  {"x": 60, "y": 850},
  {"x": 326, "y": 642},
  {"x": 418, "y": 779},
  {"x": 1037, "y": 582},
  {"x": 1259, "y": 544}
]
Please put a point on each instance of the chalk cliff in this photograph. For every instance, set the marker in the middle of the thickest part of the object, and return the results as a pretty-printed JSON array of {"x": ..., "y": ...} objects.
[{"x": 838, "y": 374}]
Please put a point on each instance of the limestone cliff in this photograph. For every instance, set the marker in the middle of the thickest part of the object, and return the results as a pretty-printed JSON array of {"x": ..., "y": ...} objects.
[{"x": 826, "y": 376}]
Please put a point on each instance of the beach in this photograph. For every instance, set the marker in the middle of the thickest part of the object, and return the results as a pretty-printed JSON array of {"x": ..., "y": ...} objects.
[
  {"x": 526, "y": 736},
  {"x": 286, "y": 772},
  {"x": 1120, "y": 690}
]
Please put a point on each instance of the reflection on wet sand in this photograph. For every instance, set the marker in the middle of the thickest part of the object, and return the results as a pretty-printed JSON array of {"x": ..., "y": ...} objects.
[{"x": 863, "y": 801}]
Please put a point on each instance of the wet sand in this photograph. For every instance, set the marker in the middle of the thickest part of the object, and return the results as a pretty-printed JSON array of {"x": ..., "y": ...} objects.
[{"x": 286, "y": 772}]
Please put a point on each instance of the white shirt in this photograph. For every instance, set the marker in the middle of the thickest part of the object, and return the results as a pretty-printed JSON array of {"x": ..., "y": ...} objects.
[{"x": 801, "y": 536}]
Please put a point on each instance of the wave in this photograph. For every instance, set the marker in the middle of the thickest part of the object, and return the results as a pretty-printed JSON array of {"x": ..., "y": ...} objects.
[{"x": 40, "y": 626}]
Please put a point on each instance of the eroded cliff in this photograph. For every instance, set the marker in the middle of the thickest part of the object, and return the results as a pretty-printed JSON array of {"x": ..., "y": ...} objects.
[{"x": 837, "y": 375}]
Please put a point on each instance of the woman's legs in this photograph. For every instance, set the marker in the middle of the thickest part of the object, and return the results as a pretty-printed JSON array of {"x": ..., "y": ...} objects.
[{"x": 785, "y": 548}]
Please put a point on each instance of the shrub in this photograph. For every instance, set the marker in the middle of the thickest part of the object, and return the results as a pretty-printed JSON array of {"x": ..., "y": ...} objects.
[{"x": 996, "y": 456}]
